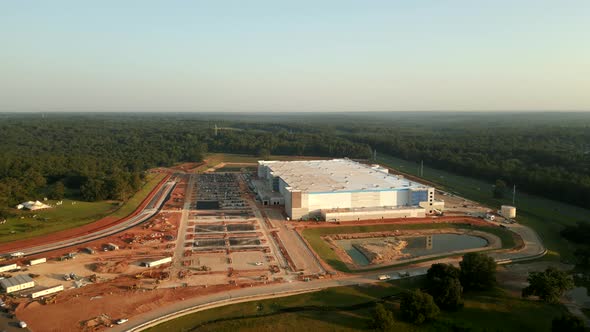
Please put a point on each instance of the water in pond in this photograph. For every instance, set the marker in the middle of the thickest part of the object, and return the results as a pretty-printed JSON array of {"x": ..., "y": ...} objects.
[{"x": 417, "y": 245}]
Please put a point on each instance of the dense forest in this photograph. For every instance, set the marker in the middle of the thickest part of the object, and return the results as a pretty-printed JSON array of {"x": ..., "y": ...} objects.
[
  {"x": 96, "y": 157},
  {"x": 103, "y": 156}
]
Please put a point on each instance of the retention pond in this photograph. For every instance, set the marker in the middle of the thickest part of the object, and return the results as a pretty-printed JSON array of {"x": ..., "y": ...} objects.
[{"x": 417, "y": 246}]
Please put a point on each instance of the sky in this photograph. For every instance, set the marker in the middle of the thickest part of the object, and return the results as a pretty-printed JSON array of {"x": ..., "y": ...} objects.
[{"x": 321, "y": 55}]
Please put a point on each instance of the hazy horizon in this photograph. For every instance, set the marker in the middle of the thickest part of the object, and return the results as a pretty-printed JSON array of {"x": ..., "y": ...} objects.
[{"x": 331, "y": 56}]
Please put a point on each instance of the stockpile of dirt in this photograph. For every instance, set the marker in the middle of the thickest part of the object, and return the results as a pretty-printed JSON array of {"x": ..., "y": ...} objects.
[
  {"x": 385, "y": 251},
  {"x": 110, "y": 267}
]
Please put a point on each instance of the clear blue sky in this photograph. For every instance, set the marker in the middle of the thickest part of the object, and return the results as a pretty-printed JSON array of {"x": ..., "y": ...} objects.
[{"x": 294, "y": 56}]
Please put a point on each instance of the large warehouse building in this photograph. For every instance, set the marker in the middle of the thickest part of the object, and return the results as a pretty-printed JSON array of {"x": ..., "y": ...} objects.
[{"x": 342, "y": 189}]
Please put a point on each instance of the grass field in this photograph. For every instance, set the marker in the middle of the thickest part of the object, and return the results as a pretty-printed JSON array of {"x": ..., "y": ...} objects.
[
  {"x": 349, "y": 309},
  {"x": 132, "y": 203},
  {"x": 70, "y": 214},
  {"x": 547, "y": 217},
  {"x": 313, "y": 237}
]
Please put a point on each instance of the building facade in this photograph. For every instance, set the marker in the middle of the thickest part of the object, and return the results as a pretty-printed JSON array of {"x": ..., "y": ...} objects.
[
  {"x": 342, "y": 188},
  {"x": 17, "y": 283}
]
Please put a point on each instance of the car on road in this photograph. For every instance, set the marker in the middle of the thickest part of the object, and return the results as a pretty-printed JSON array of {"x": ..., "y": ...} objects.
[
  {"x": 122, "y": 321},
  {"x": 22, "y": 324},
  {"x": 384, "y": 277}
]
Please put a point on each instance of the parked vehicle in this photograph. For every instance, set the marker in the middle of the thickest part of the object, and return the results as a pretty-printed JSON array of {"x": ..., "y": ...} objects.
[{"x": 384, "y": 277}]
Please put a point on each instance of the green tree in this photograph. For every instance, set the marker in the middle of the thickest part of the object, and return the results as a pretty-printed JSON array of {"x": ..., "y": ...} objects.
[
  {"x": 263, "y": 153},
  {"x": 94, "y": 190},
  {"x": 382, "y": 319},
  {"x": 197, "y": 153},
  {"x": 58, "y": 191},
  {"x": 549, "y": 285},
  {"x": 418, "y": 307},
  {"x": 499, "y": 189},
  {"x": 478, "y": 271},
  {"x": 442, "y": 282},
  {"x": 567, "y": 323}
]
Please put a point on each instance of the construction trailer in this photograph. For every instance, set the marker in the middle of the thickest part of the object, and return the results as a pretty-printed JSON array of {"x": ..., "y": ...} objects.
[
  {"x": 17, "y": 283},
  {"x": 37, "y": 261},
  {"x": 10, "y": 267},
  {"x": 47, "y": 291},
  {"x": 157, "y": 262},
  {"x": 508, "y": 211}
]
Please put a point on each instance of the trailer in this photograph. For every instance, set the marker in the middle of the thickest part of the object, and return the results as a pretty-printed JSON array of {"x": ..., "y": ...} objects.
[
  {"x": 47, "y": 291},
  {"x": 37, "y": 261},
  {"x": 157, "y": 262},
  {"x": 10, "y": 267}
]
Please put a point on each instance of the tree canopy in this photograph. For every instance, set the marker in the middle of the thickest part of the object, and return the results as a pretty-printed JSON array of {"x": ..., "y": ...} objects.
[
  {"x": 549, "y": 285},
  {"x": 478, "y": 271},
  {"x": 568, "y": 323},
  {"x": 442, "y": 282},
  {"x": 418, "y": 307},
  {"x": 382, "y": 319}
]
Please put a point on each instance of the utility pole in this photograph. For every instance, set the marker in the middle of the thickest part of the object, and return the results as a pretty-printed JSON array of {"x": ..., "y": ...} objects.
[
  {"x": 513, "y": 195},
  {"x": 422, "y": 168},
  {"x": 216, "y": 129}
]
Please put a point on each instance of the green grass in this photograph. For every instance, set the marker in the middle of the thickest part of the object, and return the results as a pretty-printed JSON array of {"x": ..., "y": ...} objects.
[
  {"x": 313, "y": 237},
  {"x": 68, "y": 215},
  {"x": 546, "y": 216},
  {"x": 132, "y": 203},
  {"x": 349, "y": 309}
]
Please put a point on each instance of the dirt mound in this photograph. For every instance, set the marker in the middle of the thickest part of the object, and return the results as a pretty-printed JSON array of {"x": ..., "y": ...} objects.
[
  {"x": 385, "y": 251},
  {"x": 110, "y": 267},
  {"x": 94, "y": 323}
]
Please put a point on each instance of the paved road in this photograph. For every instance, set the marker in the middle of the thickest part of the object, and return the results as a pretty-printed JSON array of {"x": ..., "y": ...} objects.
[
  {"x": 299, "y": 252},
  {"x": 138, "y": 323},
  {"x": 150, "y": 210},
  {"x": 181, "y": 236},
  {"x": 532, "y": 249},
  {"x": 533, "y": 246}
]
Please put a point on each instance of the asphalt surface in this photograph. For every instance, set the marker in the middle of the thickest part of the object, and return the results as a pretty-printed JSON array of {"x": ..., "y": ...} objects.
[{"x": 149, "y": 211}]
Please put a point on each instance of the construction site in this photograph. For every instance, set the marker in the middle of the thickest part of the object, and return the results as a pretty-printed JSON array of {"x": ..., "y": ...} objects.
[{"x": 212, "y": 233}]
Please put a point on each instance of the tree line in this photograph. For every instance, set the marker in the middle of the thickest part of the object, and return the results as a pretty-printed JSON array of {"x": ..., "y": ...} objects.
[
  {"x": 97, "y": 157},
  {"x": 100, "y": 156}
]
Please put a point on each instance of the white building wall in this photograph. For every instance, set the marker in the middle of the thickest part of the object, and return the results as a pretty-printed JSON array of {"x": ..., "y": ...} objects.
[
  {"x": 159, "y": 262},
  {"x": 329, "y": 201},
  {"x": 38, "y": 261},
  {"x": 8, "y": 267},
  {"x": 365, "y": 199},
  {"x": 47, "y": 291},
  {"x": 388, "y": 198},
  {"x": 18, "y": 287}
]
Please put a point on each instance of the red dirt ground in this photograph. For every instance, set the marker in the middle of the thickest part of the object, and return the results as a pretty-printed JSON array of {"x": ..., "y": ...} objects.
[
  {"x": 117, "y": 299},
  {"x": 78, "y": 231}
]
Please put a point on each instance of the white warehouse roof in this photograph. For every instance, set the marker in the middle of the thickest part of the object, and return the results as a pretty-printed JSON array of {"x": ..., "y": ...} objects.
[{"x": 336, "y": 175}]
